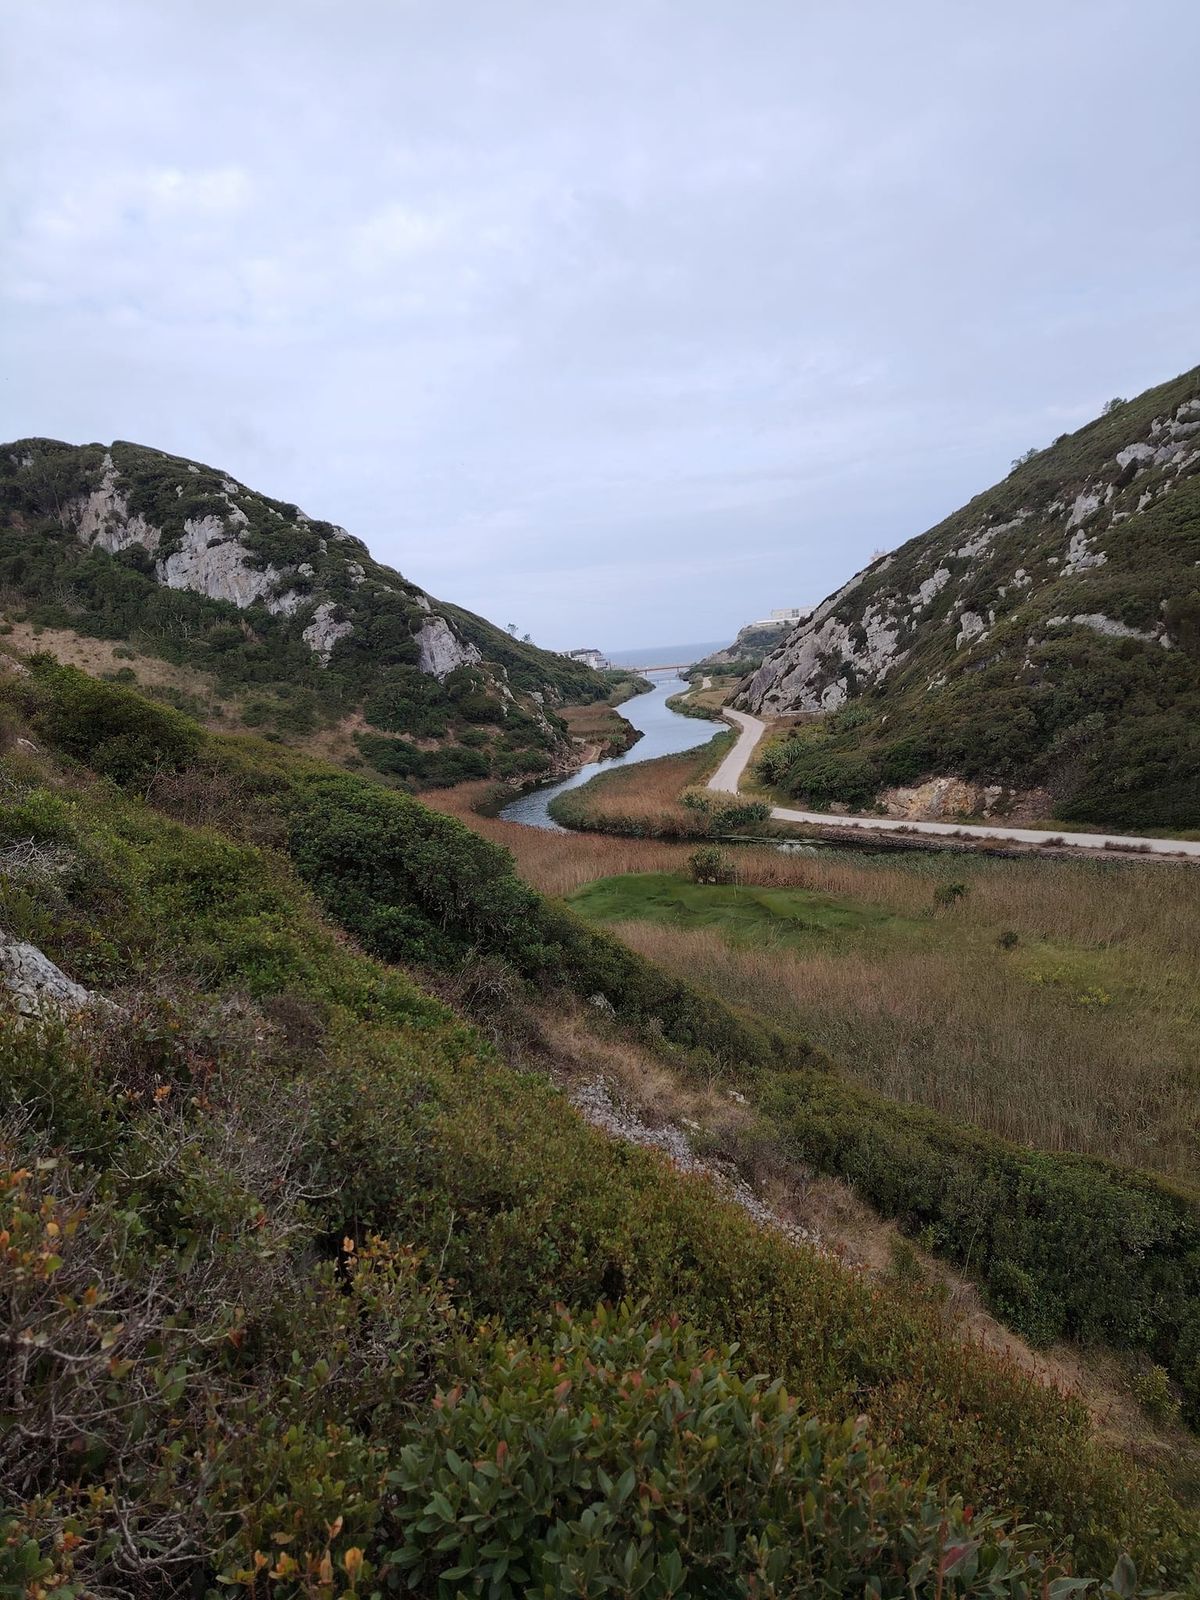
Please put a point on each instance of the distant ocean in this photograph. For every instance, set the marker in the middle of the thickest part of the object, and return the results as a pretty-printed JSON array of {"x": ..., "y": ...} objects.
[{"x": 665, "y": 655}]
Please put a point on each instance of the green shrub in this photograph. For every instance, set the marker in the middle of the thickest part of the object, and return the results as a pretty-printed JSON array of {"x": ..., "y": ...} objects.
[
  {"x": 119, "y": 735},
  {"x": 710, "y": 864},
  {"x": 619, "y": 1457},
  {"x": 1065, "y": 1246}
]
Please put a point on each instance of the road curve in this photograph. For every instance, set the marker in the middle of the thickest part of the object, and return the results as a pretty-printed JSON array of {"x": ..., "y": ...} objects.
[{"x": 728, "y": 776}]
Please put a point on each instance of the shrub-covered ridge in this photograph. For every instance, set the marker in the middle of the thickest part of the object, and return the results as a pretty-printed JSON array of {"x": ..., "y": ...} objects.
[
  {"x": 1046, "y": 635},
  {"x": 292, "y": 618}
]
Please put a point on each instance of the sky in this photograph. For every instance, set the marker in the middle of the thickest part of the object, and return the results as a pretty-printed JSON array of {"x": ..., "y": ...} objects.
[{"x": 624, "y": 322}]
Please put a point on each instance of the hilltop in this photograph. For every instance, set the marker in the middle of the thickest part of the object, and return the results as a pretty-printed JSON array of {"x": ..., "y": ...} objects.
[
  {"x": 753, "y": 642},
  {"x": 1042, "y": 643},
  {"x": 272, "y": 619}
]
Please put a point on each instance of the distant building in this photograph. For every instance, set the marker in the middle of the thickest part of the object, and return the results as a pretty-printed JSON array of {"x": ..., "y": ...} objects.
[
  {"x": 589, "y": 658},
  {"x": 786, "y": 617}
]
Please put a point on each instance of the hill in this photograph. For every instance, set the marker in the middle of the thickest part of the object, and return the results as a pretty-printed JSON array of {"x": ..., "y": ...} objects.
[
  {"x": 315, "y": 1284},
  {"x": 753, "y": 642},
  {"x": 281, "y": 622},
  {"x": 1042, "y": 643}
]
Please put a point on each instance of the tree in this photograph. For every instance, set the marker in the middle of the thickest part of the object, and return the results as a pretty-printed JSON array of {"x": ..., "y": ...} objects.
[
  {"x": 1112, "y": 405},
  {"x": 526, "y": 638},
  {"x": 1019, "y": 461},
  {"x": 511, "y": 627}
]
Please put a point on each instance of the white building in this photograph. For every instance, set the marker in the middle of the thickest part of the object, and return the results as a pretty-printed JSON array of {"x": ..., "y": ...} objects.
[{"x": 589, "y": 658}]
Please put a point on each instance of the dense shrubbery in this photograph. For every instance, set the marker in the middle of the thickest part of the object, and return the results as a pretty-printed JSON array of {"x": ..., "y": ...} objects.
[
  {"x": 120, "y": 735},
  {"x": 1066, "y": 1246},
  {"x": 414, "y": 885},
  {"x": 526, "y": 1482}
]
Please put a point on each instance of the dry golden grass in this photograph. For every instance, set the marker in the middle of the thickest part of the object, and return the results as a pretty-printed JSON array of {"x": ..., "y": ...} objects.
[
  {"x": 598, "y": 725},
  {"x": 98, "y": 656},
  {"x": 646, "y": 795}
]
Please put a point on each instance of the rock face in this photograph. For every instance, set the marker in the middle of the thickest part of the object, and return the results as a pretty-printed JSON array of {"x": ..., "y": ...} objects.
[
  {"x": 38, "y": 985},
  {"x": 324, "y": 631},
  {"x": 1038, "y": 552},
  {"x": 441, "y": 650},
  {"x": 212, "y": 562}
]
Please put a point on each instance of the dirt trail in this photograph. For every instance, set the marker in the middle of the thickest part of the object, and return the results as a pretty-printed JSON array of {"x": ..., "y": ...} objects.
[{"x": 728, "y": 776}]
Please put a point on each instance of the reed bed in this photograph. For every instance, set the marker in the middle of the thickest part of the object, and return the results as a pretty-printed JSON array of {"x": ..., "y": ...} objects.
[{"x": 967, "y": 1030}]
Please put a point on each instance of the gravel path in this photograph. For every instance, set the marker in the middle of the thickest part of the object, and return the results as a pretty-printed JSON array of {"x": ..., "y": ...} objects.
[{"x": 729, "y": 774}]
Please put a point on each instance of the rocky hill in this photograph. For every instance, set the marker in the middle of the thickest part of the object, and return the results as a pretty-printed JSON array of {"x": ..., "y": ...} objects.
[
  {"x": 753, "y": 642},
  {"x": 1043, "y": 642},
  {"x": 283, "y": 622}
]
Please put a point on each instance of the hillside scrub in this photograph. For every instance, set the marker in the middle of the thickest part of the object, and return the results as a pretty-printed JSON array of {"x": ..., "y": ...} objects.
[
  {"x": 403, "y": 1124},
  {"x": 255, "y": 652}
]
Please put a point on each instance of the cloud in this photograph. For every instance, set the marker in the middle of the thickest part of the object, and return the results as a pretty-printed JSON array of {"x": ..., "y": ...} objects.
[{"x": 639, "y": 318}]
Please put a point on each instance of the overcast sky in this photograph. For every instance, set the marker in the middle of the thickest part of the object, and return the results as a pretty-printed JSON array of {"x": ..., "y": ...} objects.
[{"x": 623, "y": 321}]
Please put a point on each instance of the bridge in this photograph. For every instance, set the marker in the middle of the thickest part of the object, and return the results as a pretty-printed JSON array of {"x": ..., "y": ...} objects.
[{"x": 674, "y": 666}]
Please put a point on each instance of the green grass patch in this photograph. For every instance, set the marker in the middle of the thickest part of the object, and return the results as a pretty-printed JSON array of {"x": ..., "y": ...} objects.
[{"x": 745, "y": 914}]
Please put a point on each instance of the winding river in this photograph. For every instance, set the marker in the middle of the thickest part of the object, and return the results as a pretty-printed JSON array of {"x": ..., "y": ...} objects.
[{"x": 664, "y": 733}]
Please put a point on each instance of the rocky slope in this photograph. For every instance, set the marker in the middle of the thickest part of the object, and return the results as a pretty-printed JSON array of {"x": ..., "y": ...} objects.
[
  {"x": 753, "y": 642},
  {"x": 288, "y": 616},
  {"x": 1046, "y": 636}
]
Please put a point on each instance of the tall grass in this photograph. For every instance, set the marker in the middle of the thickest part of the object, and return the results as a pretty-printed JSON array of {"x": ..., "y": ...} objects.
[
  {"x": 972, "y": 1031},
  {"x": 1083, "y": 1036}
]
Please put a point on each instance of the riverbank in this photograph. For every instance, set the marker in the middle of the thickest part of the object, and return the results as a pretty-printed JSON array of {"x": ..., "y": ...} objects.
[{"x": 658, "y": 731}]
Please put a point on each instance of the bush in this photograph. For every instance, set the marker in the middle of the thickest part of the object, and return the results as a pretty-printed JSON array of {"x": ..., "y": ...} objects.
[
  {"x": 118, "y": 734},
  {"x": 1065, "y": 1246},
  {"x": 620, "y": 1457},
  {"x": 711, "y": 865}
]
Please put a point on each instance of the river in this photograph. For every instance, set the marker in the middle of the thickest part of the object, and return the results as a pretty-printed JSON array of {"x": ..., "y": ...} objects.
[{"x": 664, "y": 733}]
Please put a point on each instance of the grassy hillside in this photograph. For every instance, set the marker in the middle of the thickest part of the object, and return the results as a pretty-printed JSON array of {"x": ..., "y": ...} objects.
[
  {"x": 301, "y": 1277},
  {"x": 1046, "y": 637},
  {"x": 288, "y": 623}
]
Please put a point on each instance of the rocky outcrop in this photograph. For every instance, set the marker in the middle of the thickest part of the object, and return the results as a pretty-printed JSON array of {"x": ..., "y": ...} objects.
[
  {"x": 39, "y": 987},
  {"x": 102, "y": 517},
  {"x": 210, "y": 561},
  {"x": 324, "y": 631},
  {"x": 440, "y": 650}
]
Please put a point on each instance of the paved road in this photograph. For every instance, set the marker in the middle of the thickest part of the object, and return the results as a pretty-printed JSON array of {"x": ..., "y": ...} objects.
[{"x": 728, "y": 775}]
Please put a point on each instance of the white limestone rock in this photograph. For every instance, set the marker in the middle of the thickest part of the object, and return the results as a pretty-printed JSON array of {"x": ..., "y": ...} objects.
[
  {"x": 1086, "y": 502},
  {"x": 441, "y": 650},
  {"x": 931, "y": 587},
  {"x": 211, "y": 562},
  {"x": 970, "y": 626},
  {"x": 324, "y": 631},
  {"x": 102, "y": 517},
  {"x": 1080, "y": 555},
  {"x": 1110, "y": 627},
  {"x": 38, "y": 985}
]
